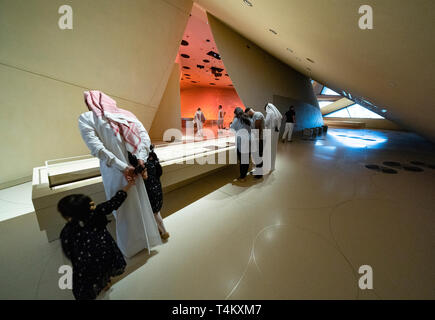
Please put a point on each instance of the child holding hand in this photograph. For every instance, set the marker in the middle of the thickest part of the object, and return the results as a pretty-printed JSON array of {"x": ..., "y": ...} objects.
[
  {"x": 151, "y": 176},
  {"x": 85, "y": 240}
]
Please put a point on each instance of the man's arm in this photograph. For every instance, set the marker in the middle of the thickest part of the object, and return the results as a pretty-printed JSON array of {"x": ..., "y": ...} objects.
[
  {"x": 96, "y": 146},
  {"x": 145, "y": 146}
]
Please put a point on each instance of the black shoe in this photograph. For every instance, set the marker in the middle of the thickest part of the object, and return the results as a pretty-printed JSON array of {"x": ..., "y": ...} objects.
[{"x": 258, "y": 177}]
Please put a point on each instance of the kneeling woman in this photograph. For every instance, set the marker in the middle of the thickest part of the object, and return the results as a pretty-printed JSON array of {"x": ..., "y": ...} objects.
[{"x": 242, "y": 125}]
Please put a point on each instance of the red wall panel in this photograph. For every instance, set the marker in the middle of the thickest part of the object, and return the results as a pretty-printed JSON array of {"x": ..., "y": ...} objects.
[{"x": 208, "y": 99}]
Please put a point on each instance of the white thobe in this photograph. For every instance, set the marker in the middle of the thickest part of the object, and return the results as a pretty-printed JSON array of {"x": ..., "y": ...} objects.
[
  {"x": 271, "y": 123},
  {"x": 136, "y": 228},
  {"x": 220, "y": 121},
  {"x": 198, "y": 121}
]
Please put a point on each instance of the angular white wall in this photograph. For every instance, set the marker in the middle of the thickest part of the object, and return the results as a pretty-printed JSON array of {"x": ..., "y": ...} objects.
[
  {"x": 257, "y": 75},
  {"x": 169, "y": 112},
  {"x": 125, "y": 48}
]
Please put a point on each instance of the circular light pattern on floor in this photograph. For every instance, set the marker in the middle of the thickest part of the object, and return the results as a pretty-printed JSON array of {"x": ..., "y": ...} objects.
[
  {"x": 420, "y": 163},
  {"x": 392, "y": 163},
  {"x": 417, "y": 163},
  {"x": 388, "y": 170},
  {"x": 373, "y": 166},
  {"x": 381, "y": 169},
  {"x": 413, "y": 169},
  {"x": 397, "y": 165},
  {"x": 307, "y": 278}
]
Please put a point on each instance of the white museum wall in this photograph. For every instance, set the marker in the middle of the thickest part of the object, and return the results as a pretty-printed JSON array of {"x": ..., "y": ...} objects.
[
  {"x": 307, "y": 115},
  {"x": 169, "y": 115},
  {"x": 378, "y": 124},
  {"x": 125, "y": 48}
]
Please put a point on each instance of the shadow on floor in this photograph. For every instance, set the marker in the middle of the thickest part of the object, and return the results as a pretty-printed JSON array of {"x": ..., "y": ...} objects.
[{"x": 177, "y": 199}]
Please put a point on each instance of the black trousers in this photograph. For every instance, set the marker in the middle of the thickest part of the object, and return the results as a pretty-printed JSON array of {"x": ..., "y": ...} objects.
[
  {"x": 244, "y": 167},
  {"x": 260, "y": 153}
]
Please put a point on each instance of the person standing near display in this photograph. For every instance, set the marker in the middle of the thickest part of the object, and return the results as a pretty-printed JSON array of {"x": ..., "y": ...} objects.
[
  {"x": 151, "y": 176},
  {"x": 220, "y": 121},
  {"x": 273, "y": 123},
  {"x": 257, "y": 122},
  {"x": 290, "y": 120},
  {"x": 242, "y": 126},
  {"x": 199, "y": 119},
  {"x": 110, "y": 133}
]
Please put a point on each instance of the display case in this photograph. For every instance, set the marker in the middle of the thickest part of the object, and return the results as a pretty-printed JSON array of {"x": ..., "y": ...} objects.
[{"x": 181, "y": 162}]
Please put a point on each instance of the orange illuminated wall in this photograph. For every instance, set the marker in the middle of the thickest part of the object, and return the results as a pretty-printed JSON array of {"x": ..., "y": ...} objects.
[{"x": 208, "y": 99}]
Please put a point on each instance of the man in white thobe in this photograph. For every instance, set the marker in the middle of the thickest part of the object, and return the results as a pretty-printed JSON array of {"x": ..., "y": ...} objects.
[
  {"x": 273, "y": 123},
  {"x": 109, "y": 133},
  {"x": 199, "y": 119},
  {"x": 220, "y": 120}
]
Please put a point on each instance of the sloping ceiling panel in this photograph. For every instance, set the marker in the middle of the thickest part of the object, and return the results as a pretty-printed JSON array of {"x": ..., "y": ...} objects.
[{"x": 391, "y": 66}]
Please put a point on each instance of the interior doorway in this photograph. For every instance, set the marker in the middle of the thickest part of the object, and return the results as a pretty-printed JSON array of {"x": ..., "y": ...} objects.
[{"x": 204, "y": 81}]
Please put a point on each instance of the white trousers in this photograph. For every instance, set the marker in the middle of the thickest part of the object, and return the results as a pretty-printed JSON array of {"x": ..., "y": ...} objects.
[
  {"x": 159, "y": 221},
  {"x": 220, "y": 123},
  {"x": 288, "y": 130},
  {"x": 199, "y": 127}
]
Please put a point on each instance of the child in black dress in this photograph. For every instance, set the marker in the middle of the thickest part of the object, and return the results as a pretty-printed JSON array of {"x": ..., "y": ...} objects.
[
  {"x": 94, "y": 254},
  {"x": 151, "y": 178}
]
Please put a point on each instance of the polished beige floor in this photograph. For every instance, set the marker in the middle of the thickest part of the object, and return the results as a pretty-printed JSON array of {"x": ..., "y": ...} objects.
[
  {"x": 16, "y": 201},
  {"x": 300, "y": 233}
]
